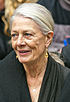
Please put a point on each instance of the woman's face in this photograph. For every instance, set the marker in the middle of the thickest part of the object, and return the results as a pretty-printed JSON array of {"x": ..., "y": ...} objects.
[{"x": 27, "y": 40}]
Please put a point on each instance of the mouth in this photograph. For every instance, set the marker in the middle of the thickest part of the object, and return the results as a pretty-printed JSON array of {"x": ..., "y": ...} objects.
[{"x": 24, "y": 52}]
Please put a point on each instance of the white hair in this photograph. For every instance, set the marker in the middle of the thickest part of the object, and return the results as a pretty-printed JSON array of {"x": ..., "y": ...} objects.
[{"x": 38, "y": 13}]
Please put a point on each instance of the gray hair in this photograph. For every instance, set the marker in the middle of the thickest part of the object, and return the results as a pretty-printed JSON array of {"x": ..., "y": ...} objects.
[{"x": 36, "y": 12}]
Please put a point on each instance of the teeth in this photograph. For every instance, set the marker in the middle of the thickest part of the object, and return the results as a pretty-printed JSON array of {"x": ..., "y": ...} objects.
[{"x": 23, "y": 51}]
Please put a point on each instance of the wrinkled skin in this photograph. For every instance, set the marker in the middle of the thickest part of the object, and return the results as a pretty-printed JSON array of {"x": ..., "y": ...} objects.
[{"x": 27, "y": 40}]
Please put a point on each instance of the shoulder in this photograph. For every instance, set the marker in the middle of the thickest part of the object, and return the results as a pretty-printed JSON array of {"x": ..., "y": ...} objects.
[
  {"x": 10, "y": 67},
  {"x": 60, "y": 66},
  {"x": 65, "y": 95},
  {"x": 8, "y": 59},
  {"x": 9, "y": 63}
]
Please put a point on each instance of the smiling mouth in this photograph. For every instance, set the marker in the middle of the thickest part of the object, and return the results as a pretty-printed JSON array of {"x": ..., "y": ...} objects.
[{"x": 24, "y": 52}]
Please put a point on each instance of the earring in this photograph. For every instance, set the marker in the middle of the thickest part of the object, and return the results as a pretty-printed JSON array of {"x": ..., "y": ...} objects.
[
  {"x": 46, "y": 55},
  {"x": 16, "y": 57}
]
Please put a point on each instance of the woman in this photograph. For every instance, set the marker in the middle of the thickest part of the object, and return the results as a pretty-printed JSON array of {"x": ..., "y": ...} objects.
[{"x": 29, "y": 73}]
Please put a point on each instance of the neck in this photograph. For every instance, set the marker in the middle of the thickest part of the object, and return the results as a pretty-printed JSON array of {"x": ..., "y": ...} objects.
[
  {"x": 36, "y": 68},
  {"x": 35, "y": 72}
]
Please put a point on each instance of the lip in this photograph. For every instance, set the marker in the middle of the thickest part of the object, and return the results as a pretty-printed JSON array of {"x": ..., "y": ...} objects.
[{"x": 24, "y": 52}]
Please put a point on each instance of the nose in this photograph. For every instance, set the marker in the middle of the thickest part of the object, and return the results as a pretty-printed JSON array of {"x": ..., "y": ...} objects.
[{"x": 21, "y": 41}]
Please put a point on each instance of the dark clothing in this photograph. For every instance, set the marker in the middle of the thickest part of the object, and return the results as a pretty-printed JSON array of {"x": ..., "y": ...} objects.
[
  {"x": 13, "y": 83},
  {"x": 1, "y": 22},
  {"x": 5, "y": 47},
  {"x": 65, "y": 95},
  {"x": 65, "y": 55},
  {"x": 60, "y": 15},
  {"x": 62, "y": 22}
]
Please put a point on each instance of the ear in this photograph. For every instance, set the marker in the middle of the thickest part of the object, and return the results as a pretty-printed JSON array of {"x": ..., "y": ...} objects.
[{"x": 49, "y": 39}]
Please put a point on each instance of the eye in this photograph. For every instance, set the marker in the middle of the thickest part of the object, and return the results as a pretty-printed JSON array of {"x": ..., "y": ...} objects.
[
  {"x": 27, "y": 34},
  {"x": 14, "y": 36}
]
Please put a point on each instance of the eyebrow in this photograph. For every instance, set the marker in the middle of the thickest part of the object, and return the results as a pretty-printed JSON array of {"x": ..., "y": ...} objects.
[
  {"x": 14, "y": 31},
  {"x": 24, "y": 31}
]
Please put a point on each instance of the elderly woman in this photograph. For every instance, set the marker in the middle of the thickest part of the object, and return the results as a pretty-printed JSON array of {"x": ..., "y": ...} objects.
[{"x": 29, "y": 73}]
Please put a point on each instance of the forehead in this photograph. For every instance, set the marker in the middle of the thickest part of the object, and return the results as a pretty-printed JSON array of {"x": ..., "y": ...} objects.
[{"x": 24, "y": 22}]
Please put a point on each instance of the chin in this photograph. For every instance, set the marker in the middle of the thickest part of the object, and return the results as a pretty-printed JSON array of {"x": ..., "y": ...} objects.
[{"x": 23, "y": 60}]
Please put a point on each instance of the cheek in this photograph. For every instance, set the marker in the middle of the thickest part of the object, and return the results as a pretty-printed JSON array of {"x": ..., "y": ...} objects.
[
  {"x": 13, "y": 44},
  {"x": 37, "y": 43},
  {"x": 40, "y": 45},
  {"x": 31, "y": 43}
]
